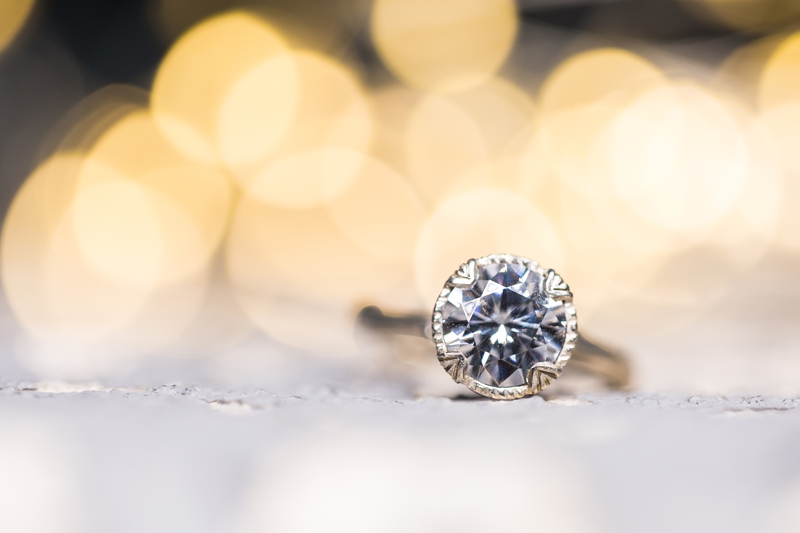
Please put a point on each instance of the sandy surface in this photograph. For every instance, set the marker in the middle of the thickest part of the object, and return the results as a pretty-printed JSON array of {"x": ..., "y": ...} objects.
[{"x": 176, "y": 458}]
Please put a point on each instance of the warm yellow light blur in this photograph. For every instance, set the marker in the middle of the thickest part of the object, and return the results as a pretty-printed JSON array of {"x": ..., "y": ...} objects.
[
  {"x": 87, "y": 121},
  {"x": 580, "y": 99},
  {"x": 392, "y": 107},
  {"x": 476, "y": 223},
  {"x": 782, "y": 125},
  {"x": 503, "y": 112},
  {"x": 438, "y": 140},
  {"x": 606, "y": 75},
  {"x": 745, "y": 233},
  {"x": 678, "y": 158},
  {"x": 106, "y": 252},
  {"x": 609, "y": 250},
  {"x": 520, "y": 176},
  {"x": 566, "y": 141},
  {"x": 620, "y": 225},
  {"x": 51, "y": 289},
  {"x": 379, "y": 212},
  {"x": 315, "y": 158},
  {"x": 780, "y": 80},
  {"x": 612, "y": 252},
  {"x": 740, "y": 74},
  {"x": 199, "y": 72},
  {"x": 118, "y": 232},
  {"x": 444, "y": 44},
  {"x": 13, "y": 14},
  {"x": 258, "y": 110},
  {"x": 536, "y": 179},
  {"x": 443, "y": 143},
  {"x": 779, "y": 99},
  {"x": 329, "y": 192},
  {"x": 82, "y": 304},
  {"x": 307, "y": 179},
  {"x": 292, "y": 267},
  {"x": 191, "y": 202}
]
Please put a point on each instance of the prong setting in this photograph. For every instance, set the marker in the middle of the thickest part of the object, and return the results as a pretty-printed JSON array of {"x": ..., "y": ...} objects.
[{"x": 549, "y": 287}]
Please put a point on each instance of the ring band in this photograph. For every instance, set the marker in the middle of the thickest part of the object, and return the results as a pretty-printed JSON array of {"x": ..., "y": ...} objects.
[
  {"x": 506, "y": 328},
  {"x": 588, "y": 357}
]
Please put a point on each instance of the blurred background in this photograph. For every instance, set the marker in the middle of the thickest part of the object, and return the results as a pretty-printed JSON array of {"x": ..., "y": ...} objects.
[
  {"x": 199, "y": 195},
  {"x": 208, "y": 191}
]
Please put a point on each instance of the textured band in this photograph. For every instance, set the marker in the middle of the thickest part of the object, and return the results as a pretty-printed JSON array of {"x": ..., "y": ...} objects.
[{"x": 611, "y": 366}]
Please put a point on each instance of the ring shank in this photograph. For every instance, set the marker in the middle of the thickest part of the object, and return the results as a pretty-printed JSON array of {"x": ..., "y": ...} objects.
[{"x": 611, "y": 366}]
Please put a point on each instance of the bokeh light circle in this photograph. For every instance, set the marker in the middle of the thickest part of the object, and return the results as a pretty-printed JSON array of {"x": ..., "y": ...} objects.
[
  {"x": 191, "y": 201},
  {"x": 200, "y": 70},
  {"x": 13, "y": 14},
  {"x": 481, "y": 222},
  {"x": 51, "y": 289},
  {"x": 290, "y": 267},
  {"x": 443, "y": 44},
  {"x": 258, "y": 111},
  {"x": 610, "y": 75},
  {"x": 442, "y": 144},
  {"x": 106, "y": 251},
  {"x": 379, "y": 212},
  {"x": 678, "y": 158},
  {"x": 331, "y": 116},
  {"x": 580, "y": 98},
  {"x": 118, "y": 232},
  {"x": 780, "y": 79}
]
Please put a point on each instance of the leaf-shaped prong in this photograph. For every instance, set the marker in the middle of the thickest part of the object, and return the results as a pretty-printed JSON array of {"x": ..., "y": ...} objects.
[
  {"x": 452, "y": 363},
  {"x": 555, "y": 286},
  {"x": 465, "y": 274},
  {"x": 541, "y": 375}
]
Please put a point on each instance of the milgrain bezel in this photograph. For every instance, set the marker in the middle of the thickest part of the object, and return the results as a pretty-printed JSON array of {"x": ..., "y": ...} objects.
[{"x": 541, "y": 374}]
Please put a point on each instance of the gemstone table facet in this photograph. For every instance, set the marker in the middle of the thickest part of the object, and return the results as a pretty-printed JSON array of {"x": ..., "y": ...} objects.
[{"x": 503, "y": 324}]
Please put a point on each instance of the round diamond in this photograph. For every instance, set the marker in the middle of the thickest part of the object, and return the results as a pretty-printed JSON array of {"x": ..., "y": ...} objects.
[{"x": 503, "y": 323}]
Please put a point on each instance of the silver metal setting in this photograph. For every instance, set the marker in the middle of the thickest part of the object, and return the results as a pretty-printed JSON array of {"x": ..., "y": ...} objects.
[{"x": 542, "y": 374}]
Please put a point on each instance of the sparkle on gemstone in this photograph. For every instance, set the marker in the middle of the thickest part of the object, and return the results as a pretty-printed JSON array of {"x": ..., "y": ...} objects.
[{"x": 503, "y": 324}]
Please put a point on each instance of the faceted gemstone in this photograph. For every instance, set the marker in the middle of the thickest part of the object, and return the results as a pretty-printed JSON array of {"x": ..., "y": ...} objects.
[{"x": 503, "y": 324}]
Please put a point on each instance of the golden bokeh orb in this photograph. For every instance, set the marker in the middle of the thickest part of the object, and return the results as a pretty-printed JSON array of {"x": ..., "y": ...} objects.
[
  {"x": 580, "y": 98},
  {"x": 52, "y": 289},
  {"x": 780, "y": 79},
  {"x": 443, "y": 44},
  {"x": 309, "y": 163},
  {"x": 13, "y": 14},
  {"x": 481, "y": 222},
  {"x": 443, "y": 143},
  {"x": 290, "y": 267},
  {"x": 379, "y": 212},
  {"x": 191, "y": 201},
  {"x": 678, "y": 157},
  {"x": 198, "y": 73}
]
